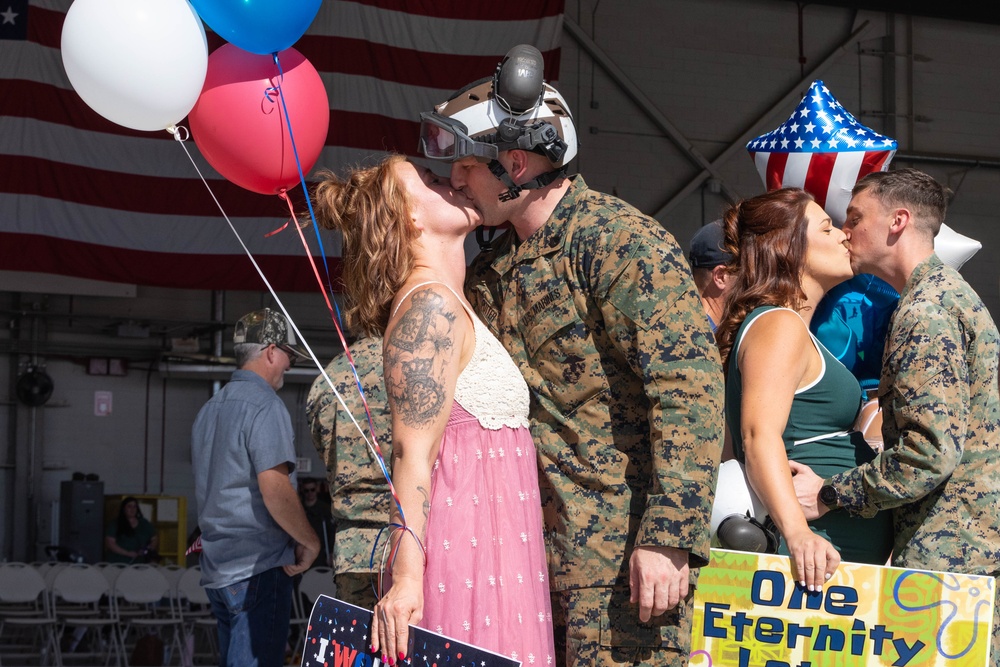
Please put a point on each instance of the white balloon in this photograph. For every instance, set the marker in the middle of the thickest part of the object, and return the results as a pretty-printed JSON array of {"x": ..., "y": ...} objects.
[
  {"x": 953, "y": 248},
  {"x": 138, "y": 63}
]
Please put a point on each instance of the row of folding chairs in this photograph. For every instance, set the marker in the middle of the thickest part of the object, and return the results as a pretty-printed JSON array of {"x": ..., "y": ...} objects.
[{"x": 76, "y": 614}]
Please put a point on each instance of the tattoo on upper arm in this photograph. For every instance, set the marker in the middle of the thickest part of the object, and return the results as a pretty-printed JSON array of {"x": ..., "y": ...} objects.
[{"x": 417, "y": 354}]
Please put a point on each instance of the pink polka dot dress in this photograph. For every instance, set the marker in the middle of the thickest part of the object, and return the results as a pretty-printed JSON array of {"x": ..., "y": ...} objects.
[{"x": 486, "y": 582}]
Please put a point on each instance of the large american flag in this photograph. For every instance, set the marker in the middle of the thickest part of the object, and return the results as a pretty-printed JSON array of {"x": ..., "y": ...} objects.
[
  {"x": 821, "y": 148},
  {"x": 81, "y": 196}
]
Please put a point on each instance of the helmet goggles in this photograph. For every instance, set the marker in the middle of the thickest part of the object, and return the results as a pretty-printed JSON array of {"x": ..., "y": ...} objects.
[{"x": 447, "y": 139}]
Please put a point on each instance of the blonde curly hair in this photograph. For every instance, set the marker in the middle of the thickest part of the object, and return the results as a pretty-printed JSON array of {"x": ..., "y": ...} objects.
[{"x": 369, "y": 207}]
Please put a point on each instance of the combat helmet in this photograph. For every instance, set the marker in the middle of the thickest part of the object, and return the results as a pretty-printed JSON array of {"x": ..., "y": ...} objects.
[{"x": 513, "y": 109}]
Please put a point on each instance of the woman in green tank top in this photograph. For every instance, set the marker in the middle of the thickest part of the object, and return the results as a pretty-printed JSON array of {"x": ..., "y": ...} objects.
[{"x": 787, "y": 397}]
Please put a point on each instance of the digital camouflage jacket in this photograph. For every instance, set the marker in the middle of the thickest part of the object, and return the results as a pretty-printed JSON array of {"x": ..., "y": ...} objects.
[
  {"x": 940, "y": 471},
  {"x": 359, "y": 491},
  {"x": 599, "y": 310}
]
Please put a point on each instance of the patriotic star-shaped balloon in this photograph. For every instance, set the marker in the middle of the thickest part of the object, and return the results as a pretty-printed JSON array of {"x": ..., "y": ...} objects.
[{"x": 821, "y": 148}]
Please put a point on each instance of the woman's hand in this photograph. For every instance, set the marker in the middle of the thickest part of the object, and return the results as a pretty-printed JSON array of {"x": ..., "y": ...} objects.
[
  {"x": 401, "y": 607},
  {"x": 814, "y": 560}
]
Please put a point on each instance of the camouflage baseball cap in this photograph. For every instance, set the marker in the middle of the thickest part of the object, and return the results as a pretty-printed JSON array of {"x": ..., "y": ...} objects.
[{"x": 268, "y": 327}]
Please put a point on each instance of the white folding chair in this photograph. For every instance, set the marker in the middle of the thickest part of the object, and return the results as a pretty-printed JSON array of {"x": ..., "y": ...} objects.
[
  {"x": 199, "y": 622},
  {"x": 149, "y": 598},
  {"x": 78, "y": 591},
  {"x": 25, "y": 614},
  {"x": 314, "y": 582}
]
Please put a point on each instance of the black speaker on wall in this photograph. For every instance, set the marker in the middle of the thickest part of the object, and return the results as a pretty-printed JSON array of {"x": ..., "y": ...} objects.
[{"x": 81, "y": 518}]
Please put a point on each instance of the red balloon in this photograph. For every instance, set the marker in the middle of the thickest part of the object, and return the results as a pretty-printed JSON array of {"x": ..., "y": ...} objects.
[{"x": 238, "y": 122}]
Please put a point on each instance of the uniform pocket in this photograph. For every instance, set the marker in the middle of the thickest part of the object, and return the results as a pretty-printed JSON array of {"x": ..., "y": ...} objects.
[{"x": 560, "y": 349}]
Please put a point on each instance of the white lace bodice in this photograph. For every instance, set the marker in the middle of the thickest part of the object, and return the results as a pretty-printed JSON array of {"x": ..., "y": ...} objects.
[{"x": 490, "y": 387}]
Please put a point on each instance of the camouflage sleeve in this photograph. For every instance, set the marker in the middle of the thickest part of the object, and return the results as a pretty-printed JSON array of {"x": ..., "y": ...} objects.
[
  {"x": 654, "y": 316},
  {"x": 358, "y": 489},
  {"x": 925, "y": 414}
]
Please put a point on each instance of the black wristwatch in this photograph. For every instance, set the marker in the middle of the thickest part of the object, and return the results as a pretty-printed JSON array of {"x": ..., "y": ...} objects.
[{"x": 828, "y": 496}]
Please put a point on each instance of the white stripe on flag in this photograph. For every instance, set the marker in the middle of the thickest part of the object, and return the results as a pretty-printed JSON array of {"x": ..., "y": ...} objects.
[{"x": 842, "y": 181}]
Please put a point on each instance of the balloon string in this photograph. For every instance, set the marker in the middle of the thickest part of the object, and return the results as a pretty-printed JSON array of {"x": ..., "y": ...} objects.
[
  {"x": 328, "y": 290},
  {"x": 347, "y": 350},
  {"x": 372, "y": 446},
  {"x": 298, "y": 166}
]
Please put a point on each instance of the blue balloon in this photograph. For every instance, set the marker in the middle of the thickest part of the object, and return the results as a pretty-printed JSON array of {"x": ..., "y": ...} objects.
[
  {"x": 258, "y": 26},
  {"x": 852, "y": 321}
]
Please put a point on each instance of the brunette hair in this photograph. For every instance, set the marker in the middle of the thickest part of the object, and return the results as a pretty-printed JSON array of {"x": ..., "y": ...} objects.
[
  {"x": 370, "y": 208},
  {"x": 767, "y": 238},
  {"x": 124, "y": 527},
  {"x": 911, "y": 189}
]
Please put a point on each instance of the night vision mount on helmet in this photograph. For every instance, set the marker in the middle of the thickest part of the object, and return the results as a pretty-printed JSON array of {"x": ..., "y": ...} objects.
[{"x": 514, "y": 109}]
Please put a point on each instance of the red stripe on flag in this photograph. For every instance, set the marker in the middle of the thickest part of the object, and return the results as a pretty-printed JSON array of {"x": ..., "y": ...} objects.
[
  {"x": 775, "y": 170},
  {"x": 156, "y": 195},
  {"x": 360, "y": 57},
  {"x": 29, "y": 252},
  {"x": 818, "y": 176},
  {"x": 873, "y": 161},
  {"x": 371, "y": 132},
  {"x": 62, "y": 106},
  {"x": 510, "y": 10},
  {"x": 45, "y": 26}
]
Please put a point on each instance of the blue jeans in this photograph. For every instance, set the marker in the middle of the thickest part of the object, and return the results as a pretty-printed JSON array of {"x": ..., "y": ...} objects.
[{"x": 253, "y": 617}]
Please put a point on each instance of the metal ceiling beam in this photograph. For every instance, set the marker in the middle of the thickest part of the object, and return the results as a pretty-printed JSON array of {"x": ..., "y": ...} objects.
[
  {"x": 790, "y": 98},
  {"x": 643, "y": 102}
]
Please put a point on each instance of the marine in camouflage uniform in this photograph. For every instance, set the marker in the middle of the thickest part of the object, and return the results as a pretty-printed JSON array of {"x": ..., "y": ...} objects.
[
  {"x": 940, "y": 471},
  {"x": 599, "y": 310},
  {"x": 358, "y": 489}
]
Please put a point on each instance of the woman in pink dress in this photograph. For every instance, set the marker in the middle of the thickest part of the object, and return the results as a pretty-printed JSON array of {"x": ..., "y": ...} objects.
[{"x": 471, "y": 563}]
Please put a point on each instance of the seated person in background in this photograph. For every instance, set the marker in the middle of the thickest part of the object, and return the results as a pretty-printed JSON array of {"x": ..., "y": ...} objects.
[
  {"x": 359, "y": 492},
  {"x": 787, "y": 397},
  {"x": 131, "y": 538},
  {"x": 317, "y": 507}
]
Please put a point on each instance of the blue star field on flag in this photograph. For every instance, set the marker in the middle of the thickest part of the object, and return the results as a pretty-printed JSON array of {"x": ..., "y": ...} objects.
[
  {"x": 821, "y": 124},
  {"x": 13, "y": 19}
]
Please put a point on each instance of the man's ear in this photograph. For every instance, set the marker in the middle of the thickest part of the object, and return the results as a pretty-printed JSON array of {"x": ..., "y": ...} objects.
[
  {"x": 720, "y": 276},
  {"x": 901, "y": 219},
  {"x": 518, "y": 166}
]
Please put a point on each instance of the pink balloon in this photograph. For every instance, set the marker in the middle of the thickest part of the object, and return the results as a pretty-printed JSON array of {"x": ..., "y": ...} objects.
[{"x": 239, "y": 125}]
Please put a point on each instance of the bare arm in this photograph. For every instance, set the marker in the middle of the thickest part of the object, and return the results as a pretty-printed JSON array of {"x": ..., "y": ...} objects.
[
  {"x": 426, "y": 345},
  {"x": 775, "y": 358},
  {"x": 284, "y": 506}
]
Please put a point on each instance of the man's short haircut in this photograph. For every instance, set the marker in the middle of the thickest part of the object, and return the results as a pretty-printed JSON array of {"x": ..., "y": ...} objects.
[
  {"x": 911, "y": 189},
  {"x": 247, "y": 352}
]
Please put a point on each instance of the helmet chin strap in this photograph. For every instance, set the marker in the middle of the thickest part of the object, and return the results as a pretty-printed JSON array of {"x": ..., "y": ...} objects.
[{"x": 514, "y": 191}]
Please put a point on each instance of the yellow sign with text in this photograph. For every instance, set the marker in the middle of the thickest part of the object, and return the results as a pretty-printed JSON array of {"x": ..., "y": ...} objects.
[{"x": 748, "y": 612}]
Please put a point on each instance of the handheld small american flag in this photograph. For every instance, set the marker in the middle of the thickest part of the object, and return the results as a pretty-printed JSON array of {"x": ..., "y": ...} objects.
[{"x": 822, "y": 149}]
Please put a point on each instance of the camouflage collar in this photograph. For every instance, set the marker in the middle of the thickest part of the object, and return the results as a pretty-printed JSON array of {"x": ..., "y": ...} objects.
[
  {"x": 546, "y": 239},
  {"x": 920, "y": 272}
]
